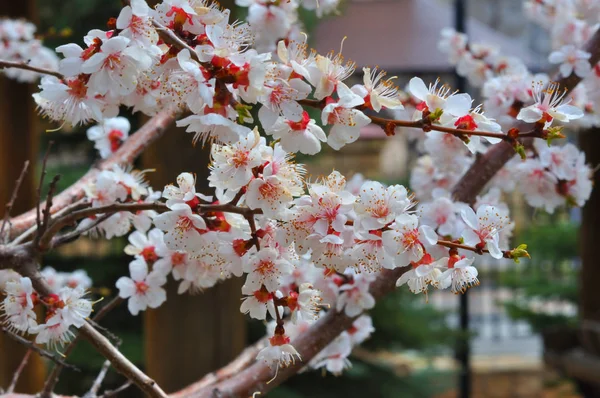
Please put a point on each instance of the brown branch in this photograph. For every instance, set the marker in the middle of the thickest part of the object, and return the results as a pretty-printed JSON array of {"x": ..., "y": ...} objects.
[
  {"x": 13, "y": 197},
  {"x": 55, "y": 374},
  {"x": 38, "y": 216},
  {"x": 40, "y": 351},
  {"x": 47, "y": 241},
  {"x": 242, "y": 361},
  {"x": 93, "y": 392},
  {"x": 46, "y": 211},
  {"x": 18, "y": 372},
  {"x": 425, "y": 124},
  {"x": 256, "y": 377},
  {"x": 112, "y": 393},
  {"x": 130, "y": 150},
  {"x": 121, "y": 364},
  {"x": 25, "y": 66},
  {"x": 80, "y": 204}
]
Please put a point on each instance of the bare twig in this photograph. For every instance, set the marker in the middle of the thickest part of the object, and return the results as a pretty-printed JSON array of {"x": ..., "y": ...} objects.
[
  {"x": 38, "y": 215},
  {"x": 259, "y": 378},
  {"x": 13, "y": 197},
  {"x": 41, "y": 351},
  {"x": 46, "y": 212},
  {"x": 93, "y": 392},
  {"x": 130, "y": 150},
  {"x": 23, "y": 65},
  {"x": 112, "y": 393},
  {"x": 47, "y": 242},
  {"x": 75, "y": 234},
  {"x": 81, "y": 203},
  {"x": 55, "y": 374},
  {"x": 241, "y": 362},
  {"x": 100, "y": 343},
  {"x": 71, "y": 218},
  {"x": 18, "y": 372}
]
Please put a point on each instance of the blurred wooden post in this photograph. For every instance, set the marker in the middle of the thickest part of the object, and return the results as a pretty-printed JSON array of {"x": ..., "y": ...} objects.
[
  {"x": 189, "y": 336},
  {"x": 18, "y": 143},
  {"x": 589, "y": 306},
  {"x": 589, "y": 299}
]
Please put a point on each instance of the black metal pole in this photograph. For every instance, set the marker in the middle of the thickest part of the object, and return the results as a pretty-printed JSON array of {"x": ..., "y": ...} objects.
[{"x": 463, "y": 351}]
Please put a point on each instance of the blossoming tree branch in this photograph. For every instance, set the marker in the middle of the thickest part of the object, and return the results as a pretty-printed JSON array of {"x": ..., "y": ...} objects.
[{"x": 314, "y": 255}]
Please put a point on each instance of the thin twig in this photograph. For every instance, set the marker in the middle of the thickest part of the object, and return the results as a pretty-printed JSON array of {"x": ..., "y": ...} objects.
[
  {"x": 71, "y": 218},
  {"x": 41, "y": 351},
  {"x": 54, "y": 375},
  {"x": 130, "y": 150},
  {"x": 93, "y": 392},
  {"x": 80, "y": 204},
  {"x": 13, "y": 197},
  {"x": 78, "y": 232},
  {"x": 23, "y": 65},
  {"x": 18, "y": 372},
  {"x": 38, "y": 215},
  {"x": 112, "y": 393},
  {"x": 49, "y": 197}
]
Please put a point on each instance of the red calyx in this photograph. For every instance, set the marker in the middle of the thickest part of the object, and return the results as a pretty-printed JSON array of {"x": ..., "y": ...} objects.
[
  {"x": 466, "y": 123},
  {"x": 279, "y": 339},
  {"x": 241, "y": 246},
  {"x": 149, "y": 254},
  {"x": 292, "y": 301},
  {"x": 302, "y": 124}
]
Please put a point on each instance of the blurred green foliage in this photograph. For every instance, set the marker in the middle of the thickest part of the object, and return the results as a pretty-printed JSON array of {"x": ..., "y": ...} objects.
[{"x": 550, "y": 275}]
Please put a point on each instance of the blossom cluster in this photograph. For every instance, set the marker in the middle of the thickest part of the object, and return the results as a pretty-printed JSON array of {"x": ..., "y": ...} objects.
[
  {"x": 66, "y": 308},
  {"x": 18, "y": 44},
  {"x": 271, "y": 21}
]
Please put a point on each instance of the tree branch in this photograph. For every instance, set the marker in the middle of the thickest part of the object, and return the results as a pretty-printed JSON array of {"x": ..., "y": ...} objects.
[
  {"x": 18, "y": 372},
  {"x": 130, "y": 150},
  {"x": 23, "y": 65},
  {"x": 256, "y": 377},
  {"x": 485, "y": 167},
  {"x": 33, "y": 347},
  {"x": 11, "y": 203}
]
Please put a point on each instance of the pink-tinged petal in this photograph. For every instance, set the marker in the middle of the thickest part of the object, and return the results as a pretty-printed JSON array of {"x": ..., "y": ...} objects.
[
  {"x": 557, "y": 57},
  {"x": 571, "y": 112},
  {"x": 138, "y": 269},
  {"x": 136, "y": 304},
  {"x": 417, "y": 88},
  {"x": 469, "y": 217},
  {"x": 124, "y": 18},
  {"x": 140, "y": 8},
  {"x": 492, "y": 246},
  {"x": 582, "y": 68},
  {"x": 267, "y": 117},
  {"x": 114, "y": 45},
  {"x": 458, "y": 105},
  {"x": 126, "y": 287},
  {"x": 138, "y": 239},
  {"x": 470, "y": 237},
  {"x": 530, "y": 114},
  {"x": 429, "y": 235},
  {"x": 292, "y": 111},
  {"x": 566, "y": 69},
  {"x": 93, "y": 63},
  {"x": 155, "y": 297},
  {"x": 198, "y": 221},
  {"x": 70, "y": 50},
  {"x": 405, "y": 277}
]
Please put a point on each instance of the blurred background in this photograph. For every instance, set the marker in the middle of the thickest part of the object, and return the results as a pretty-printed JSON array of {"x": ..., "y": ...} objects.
[{"x": 527, "y": 331}]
